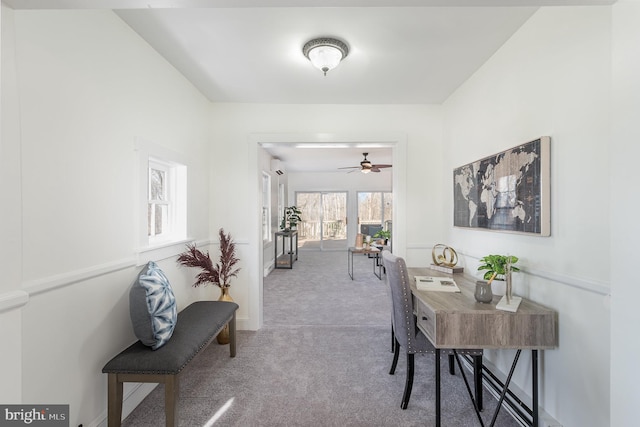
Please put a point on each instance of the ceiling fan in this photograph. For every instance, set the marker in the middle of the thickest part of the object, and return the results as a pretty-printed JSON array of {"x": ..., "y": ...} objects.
[{"x": 366, "y": 166}]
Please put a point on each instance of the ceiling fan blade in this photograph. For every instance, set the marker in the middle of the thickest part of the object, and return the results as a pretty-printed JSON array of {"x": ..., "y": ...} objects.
[
  {"x": 351, "y": 167},
  {"x": 381, "y": 166},
  {"x": 374, "y": 169}
]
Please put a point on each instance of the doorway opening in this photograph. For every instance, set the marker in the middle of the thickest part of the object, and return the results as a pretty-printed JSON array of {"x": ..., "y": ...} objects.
[{"x": 325, "y": 220}]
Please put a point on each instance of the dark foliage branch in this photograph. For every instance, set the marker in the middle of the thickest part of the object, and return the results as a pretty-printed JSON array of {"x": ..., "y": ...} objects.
[
  {"x": 219, "y": 274},
  {"x": 228, "y": 260}
]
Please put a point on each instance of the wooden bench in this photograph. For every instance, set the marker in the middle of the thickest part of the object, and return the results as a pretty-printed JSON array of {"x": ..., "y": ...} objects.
[{"x": 197, "y": 325}]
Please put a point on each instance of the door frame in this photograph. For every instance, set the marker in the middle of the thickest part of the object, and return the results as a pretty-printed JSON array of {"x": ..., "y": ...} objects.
[{"x": 394, "y": 140}]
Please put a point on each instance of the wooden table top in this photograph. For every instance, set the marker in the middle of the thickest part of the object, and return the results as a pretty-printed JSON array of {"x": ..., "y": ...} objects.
[
  {"x": 462, "y": 322},
  {"x": 370, "y": 250}
]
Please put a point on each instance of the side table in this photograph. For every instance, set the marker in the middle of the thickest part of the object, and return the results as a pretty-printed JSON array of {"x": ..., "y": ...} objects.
[
  {"x": 368, "y": 251},
  {"x": 287, "y": 258}
]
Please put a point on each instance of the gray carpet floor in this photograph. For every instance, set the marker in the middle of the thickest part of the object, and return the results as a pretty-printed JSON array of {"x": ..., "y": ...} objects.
[{"x": 321, "y": 359}]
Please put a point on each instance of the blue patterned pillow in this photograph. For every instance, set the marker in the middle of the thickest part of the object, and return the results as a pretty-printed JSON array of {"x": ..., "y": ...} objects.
[{"x": 152, "y": 307}]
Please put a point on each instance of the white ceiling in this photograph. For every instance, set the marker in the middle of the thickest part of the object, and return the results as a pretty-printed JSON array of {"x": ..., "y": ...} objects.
[
  {"x": 397, "y": 55},
  {"x": 249, "y": 51}
]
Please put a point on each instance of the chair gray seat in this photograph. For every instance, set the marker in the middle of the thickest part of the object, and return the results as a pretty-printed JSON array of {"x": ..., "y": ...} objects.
[{"x": 405, "y": 334}]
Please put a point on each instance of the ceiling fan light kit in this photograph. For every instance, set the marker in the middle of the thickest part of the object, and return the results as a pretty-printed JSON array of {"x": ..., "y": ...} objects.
[
  {"x": 366, "y": 166},
  {"x": 325, "y": 53}
]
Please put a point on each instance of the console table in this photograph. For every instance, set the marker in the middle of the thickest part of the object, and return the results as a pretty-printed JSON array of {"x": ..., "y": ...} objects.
[
  {"x": 287, "y": 258},
  {"x": 457, "y": 320}
]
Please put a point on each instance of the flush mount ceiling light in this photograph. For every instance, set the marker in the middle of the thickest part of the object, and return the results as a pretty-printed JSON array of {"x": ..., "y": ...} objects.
[{"x": 325, "y": 53}]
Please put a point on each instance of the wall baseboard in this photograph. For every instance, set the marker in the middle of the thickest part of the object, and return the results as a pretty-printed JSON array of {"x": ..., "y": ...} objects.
[
  {"x": 268, "y": 268},
  {"x": 132, "y": 398}
]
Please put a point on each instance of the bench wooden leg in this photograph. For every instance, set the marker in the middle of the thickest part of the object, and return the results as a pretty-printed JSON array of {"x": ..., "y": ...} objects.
[
  {"x": 232, "y": 335},
  {"x": 114, "y": 411},
  {"x": 171, "y": 391}
]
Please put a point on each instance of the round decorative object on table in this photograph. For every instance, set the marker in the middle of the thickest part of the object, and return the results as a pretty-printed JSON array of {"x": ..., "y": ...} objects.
[
  {"x": 483, "y": 291},
  {"x": 447, "y": 256},
  {"x": 223, "y": 336}
]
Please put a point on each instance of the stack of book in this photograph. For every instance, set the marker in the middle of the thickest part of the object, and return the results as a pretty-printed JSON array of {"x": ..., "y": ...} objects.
[{"x": 440, "y": 284}]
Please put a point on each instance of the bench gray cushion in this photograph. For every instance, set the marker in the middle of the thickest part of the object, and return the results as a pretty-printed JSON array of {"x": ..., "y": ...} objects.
[{"x": 197, "y": 325}]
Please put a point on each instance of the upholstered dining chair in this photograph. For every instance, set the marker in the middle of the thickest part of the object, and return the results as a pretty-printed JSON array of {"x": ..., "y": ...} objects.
[{"x": 405, "y": 334}]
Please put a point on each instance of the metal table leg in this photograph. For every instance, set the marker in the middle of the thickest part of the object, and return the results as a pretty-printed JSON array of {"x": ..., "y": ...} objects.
[
  {"x": 376, "y": 263},
  {"x": 437, "y": 387},
  {"x": 506, "y": 387},
  {"x": 534, "y": 386}
]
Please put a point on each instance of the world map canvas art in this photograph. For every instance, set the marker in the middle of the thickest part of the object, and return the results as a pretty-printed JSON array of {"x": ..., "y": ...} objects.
[{"x": 508, "y": 191}]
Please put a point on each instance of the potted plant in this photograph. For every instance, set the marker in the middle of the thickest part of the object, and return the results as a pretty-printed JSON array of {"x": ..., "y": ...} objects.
[
  {"x": 496, "y": 266},
  {"x": 383, "y": 235},
  {"x": 500, "y": 267},
  {"x": 291, "y": 218},
  {"x": 219, "y": 274}
]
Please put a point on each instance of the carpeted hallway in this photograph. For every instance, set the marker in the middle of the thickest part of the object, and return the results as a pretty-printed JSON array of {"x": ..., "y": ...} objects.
[{"x": 322, "y": 359}]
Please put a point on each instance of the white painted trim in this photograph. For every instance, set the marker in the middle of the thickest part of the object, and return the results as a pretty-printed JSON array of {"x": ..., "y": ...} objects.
[
  {"x": 600, "y": 288},
  {"x": 594, "y": 286},
  {"x": 545, "y": 418},
  {"x": 244, "y": 324},
  {"x": 38, "y": 286},
  {"x": 13, "y": 300},
  {"x": 158, "y": 253},
  {"x": 268, "y": 268},
  {"x": 130, "y": 401},
  {"x": 164, "y": 251},
  {"x": 397, "y": 141}
]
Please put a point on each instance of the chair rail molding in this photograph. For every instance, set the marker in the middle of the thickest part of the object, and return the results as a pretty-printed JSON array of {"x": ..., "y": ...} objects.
[
  {"x": 13, "y": 300},
  {"x": 594, "y": 286},
  {"x": 46, "y": 284},
  {"x": 588, "y": 285}
]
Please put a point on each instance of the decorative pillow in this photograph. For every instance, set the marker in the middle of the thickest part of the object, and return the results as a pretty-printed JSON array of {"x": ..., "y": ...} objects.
[{"x": 152, "y": 307}]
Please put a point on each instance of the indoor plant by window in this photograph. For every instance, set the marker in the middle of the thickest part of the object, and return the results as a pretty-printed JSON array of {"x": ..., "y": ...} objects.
[
  {"x": 219, "y": 274},
  {"x": 383, "y": 235},
  {"x": 291, "y": 218}
]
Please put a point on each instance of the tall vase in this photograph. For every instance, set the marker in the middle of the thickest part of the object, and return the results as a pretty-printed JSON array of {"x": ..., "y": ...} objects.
[{"x": 223, "y": 336}]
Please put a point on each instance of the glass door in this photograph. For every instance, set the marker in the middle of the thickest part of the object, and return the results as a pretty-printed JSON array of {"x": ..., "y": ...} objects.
[
  {"x": 324, "y": 220},
  {"x": 375, "y": 212}
]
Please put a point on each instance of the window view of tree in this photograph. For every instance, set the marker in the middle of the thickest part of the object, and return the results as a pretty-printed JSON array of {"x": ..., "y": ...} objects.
[
  {"x": 158, "y": 202},
  {"x": 375, "y": 211},
  {"x": 166, "y": 200},
  {"x": 324, "y": 218}
]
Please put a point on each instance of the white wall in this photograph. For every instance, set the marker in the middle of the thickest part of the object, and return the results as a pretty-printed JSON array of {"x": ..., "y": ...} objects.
[
  {"x": 623, "y": 202},
  {"x": 11, "y": 296},
  {"x": 78, "y": 89},
  {"x": 552, "y": 78},
  {"x": 236, "y": 128}
]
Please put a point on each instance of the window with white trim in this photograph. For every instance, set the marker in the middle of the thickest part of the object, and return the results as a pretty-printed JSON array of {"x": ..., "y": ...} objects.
[
  {"x": 266, "y": 207},
  {"x": 166, "y": 201}
]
